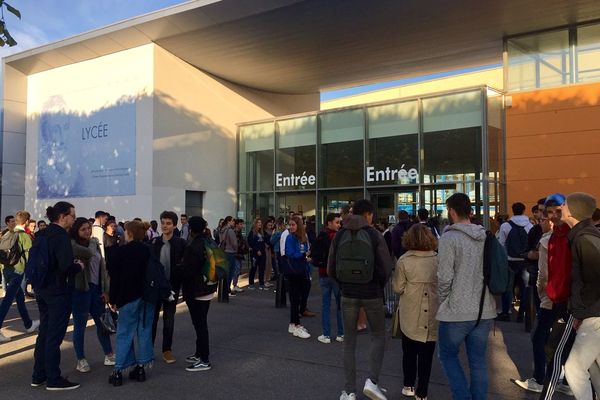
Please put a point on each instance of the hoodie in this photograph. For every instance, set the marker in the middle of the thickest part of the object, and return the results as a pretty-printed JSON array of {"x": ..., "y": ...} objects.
[
  {"x": 228, "y": 239},
  {"x": 383, "y": 262},
  {"x": 585, "y": 289},
  {"x": 399, "y": 230},
  {"x": 460, "y": 275},
  {"x": 521, "y": 220},
  {"x": 560, "y": 265}
]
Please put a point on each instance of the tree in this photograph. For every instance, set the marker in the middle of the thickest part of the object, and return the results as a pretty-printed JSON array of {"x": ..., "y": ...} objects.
[{"x": 5, "y": 37}]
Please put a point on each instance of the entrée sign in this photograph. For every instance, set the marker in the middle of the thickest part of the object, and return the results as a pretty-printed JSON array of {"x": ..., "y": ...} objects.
[{"x": 373, "y": 175}]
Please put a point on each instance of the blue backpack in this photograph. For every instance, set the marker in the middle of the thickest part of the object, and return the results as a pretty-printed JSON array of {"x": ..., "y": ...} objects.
[
  {"x": 516, "y": 241},
  {"x": 36, "y": 268}
]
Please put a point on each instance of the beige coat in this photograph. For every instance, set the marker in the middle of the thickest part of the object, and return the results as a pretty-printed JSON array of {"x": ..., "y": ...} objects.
[{"x": 415, "y": 280}]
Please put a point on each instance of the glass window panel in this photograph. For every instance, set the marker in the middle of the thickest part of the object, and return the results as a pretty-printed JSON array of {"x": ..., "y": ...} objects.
[
  {"x": 296, "y": 168},
  {"x": 393, "y": 120},
  {"x": 342, "y": 126},
  {"x": 539, "y": 60},
  {"x": 342, "y": 164},
  {"x": 393, "y": 160},
  {"x": 297, "y": 202},
  {"x": 453, "y": 111},
  {"x": 298, "y": 132},
  {"x": 258, "y": 137},
  {"x": 256, "y": 157},
  {"x": 495, "y": 142},
  {"x": 588, "y": 53}
]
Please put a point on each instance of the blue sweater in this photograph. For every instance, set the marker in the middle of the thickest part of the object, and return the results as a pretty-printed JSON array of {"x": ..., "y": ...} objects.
[{"x": 294, "y": 249}]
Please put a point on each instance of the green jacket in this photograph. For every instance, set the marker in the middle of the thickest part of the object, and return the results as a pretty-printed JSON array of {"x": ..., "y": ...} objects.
[
  {"x": 25, "y": 245},
  {"x": 84, "y": 254}
]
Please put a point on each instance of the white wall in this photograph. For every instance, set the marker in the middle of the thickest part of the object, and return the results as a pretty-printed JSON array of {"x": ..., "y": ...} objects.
[{"x": 85, "y": 88}]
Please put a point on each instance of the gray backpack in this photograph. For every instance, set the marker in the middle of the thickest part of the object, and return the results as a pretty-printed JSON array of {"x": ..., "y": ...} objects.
[{"x": 355, "y": 260}]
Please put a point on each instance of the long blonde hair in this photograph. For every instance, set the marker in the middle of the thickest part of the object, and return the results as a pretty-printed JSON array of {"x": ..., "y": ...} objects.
[
  {"x": 300, "y": 230},
  {"x": 254, "y": 229}
]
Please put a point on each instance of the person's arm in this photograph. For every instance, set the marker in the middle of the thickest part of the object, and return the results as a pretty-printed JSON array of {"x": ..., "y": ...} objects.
[
  {"x": 282, "y": 241},
  {"x": 445, "y": 273},
  {"x": 331, "y": 257},
  {"x": 64, "y": 256},
  {"x": 504, "y": 229},
  {"x": 581, "y": 247},
  {"x": 233, "y": 242},
  {"x": 25, "y": 243},
  {"x": 542, "y": 280},
  {"x": 399, "y": 278}
]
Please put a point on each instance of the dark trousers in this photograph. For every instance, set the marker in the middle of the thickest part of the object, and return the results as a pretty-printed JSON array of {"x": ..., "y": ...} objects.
[
  {"x": 417, "y": 358},
  {"x": 518, "y": 269},
  {"x": 305, "y": 294},
  {"x": 558, "y": 348},
  {"x": 296, "y": 287},
  {"x": 260, "y": 263},
  {"x": 198, "y": 313},
  {"x": 55, "y": 310},
  {"x": 169, "y": 308},
  {"x": 539, "y": 337}
]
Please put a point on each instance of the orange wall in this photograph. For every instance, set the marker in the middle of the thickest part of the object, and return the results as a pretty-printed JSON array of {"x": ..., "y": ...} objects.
[{"x": 553, "y": 143}]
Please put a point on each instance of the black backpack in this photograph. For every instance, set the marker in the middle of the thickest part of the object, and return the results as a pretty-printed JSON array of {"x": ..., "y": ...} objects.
[
  {"x": 516, "y": 241},
  {"x": 156, "y": 287},
  {"x": 10, "y": 251}
]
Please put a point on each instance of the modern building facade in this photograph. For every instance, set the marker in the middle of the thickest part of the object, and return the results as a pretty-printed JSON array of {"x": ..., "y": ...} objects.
[{"x": 212, "y": 107}]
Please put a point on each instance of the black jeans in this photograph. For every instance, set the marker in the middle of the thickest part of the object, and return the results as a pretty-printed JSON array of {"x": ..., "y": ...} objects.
[
  {"x": 198, "y": 313},
  {"x": 168, "y": 308},
  {"x": 305, "y": 294},
  {"x": 296, "y": 287},
  {"x": 417, "y": 358},
  {"x": 55, "y": 310},
  {"x": 539, "y": 337},
  {"x": 260, "y": 263}
]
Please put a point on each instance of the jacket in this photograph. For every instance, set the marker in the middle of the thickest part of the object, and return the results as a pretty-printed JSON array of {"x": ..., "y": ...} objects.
[
  {"x": 560, "y": 265},
  {"x": 127, "y": 267},
  {"x": 257, "y": 242},
  {"x": 415, "y": 280},
  {"x": 399, "y": 230},
  {"x": 320, "y": 250},
  {"x": 585, "y": 288},
  {"x": 62, "y": 268},
  {"x": 521, "y": 220},
  {"x": 228, "y": 240},
  {"x": 383, "y": 262},
  {"x": 24, "y": 244},
  {"x": 296, "y": 250},
  {"x": 460, "y": 275},
  {"x": 85, "y": 253},
  {"x": 542, "y": 280},
  {"x": 194, "y": 258},
  {"x": 177, "y": 249},
  {"x": 275, "y": 238}
]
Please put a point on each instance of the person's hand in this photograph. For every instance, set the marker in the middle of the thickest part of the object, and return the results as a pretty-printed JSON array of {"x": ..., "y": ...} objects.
[
  {"x": 113, "y": 307},
  {"x": 533, "y": 255},
  {"x": 80, "y": 263},
  {"x": 576, "y": 323},
  {"x": 104, "y": 298}
]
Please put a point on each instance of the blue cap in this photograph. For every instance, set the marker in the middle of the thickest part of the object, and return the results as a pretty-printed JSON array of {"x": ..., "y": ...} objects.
[{"x": 556, "y": 197}]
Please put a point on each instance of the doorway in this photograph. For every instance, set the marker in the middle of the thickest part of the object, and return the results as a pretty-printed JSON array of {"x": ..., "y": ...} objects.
[{"x": 387, "y": 203}]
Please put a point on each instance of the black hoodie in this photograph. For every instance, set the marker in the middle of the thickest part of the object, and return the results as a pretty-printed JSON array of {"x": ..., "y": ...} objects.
[{"x": 585, "y": 277}]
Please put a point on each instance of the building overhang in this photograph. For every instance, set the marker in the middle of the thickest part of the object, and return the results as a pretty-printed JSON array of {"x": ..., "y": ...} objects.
[{"x": 305, "y": 46}]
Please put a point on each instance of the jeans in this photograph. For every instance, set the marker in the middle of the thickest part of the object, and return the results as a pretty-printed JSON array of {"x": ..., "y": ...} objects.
[
  {"x": 135, "y": 321},
  {"x": 306, "y": 292},
  {"x": 198, "y": 313},
  {"x": 329, "y": 287},
  {"x": 451, "y": 337},
  {"x": 584, "y": 356},
  {"x": 519, "y": 269},
  {"x": 169, "y": 308},
  {"x": 235, "y": 274},
  {"x": 296, "y": 284},
  {"x": 86, "y": 304},
  {"x": 539, "y": 337},
  {"x": 13, "y": 292},
  {"x": 232, "y": 262},
  {"x": 55, "y": 310},
  {"x": 259, "y": 263},
  {"x": 417, "y": 357},
  {"x": 376, "y": 317}
]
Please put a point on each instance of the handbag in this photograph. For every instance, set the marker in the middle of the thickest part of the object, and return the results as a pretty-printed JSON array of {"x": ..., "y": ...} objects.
[
  {"x": 109, "y": 321},
  {"x": 294, "y": 266},
  {"x": 396, "y": 331}
]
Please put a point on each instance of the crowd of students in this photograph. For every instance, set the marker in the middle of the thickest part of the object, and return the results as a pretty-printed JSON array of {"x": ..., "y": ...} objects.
[{"x": 438, "y": 275}]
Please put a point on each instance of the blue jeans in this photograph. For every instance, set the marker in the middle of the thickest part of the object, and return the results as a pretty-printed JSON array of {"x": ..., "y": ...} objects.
[
  {"x": 236, "y": 271},
  {"x": 327, "y": 288},
  {"x": 86, "y": 304},
  {"x": 231, "y": 261},
  {"x": 451, "y": 337},
  {"x": 14, "y": 292},
  {"x": 135, "y": 321}
]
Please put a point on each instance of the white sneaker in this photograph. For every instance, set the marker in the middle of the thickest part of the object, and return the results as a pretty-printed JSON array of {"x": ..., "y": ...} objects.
[
  {"x": 324, "y": 339},
  {"x": 339, "y": 338},
  {"x": 238, "y": 289},
  {"x": 83, "y": 366},
  {"x": 373, "y": 391},
  {"x": 347, "y": 396},
  {"x": 564, "y": 389},
  {"x": 530, "y": 385},
  {"x": 109, "y": 361},
  {"x": 420, "y": 398},
  {"x": 4, "y": 339},
  {"x": 408, "y": 391},
  {"x": 301, "y": 332},
  {"x": 34, "y": 326},
  {"x": 291, "y": 328}
]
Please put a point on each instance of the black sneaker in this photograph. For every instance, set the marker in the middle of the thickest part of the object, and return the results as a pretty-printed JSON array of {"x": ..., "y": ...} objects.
[
  {"x": 63, "y": 384},
  {"x": 199, "y": 366},
  {"x": 37, "y": 383},
  {"x": 192, "y": 359}
]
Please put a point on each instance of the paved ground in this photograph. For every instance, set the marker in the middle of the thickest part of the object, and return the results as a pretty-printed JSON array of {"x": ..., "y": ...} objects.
[{"x": 253, "y": 357}]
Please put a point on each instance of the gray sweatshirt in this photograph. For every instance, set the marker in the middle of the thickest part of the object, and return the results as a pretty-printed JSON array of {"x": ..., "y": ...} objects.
[
  {"x": 229, "y": 241},
  {"x": 460, "y": 275}
]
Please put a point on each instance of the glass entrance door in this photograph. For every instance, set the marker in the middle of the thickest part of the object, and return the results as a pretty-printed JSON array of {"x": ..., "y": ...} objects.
[{"x": 387, "y": 203}]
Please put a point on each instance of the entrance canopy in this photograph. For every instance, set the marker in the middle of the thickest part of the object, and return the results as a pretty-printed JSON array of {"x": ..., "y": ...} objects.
[{"x": 291, "y": 46}]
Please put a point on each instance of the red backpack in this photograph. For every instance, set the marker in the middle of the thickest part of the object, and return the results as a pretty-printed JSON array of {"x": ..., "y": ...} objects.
[{"x": 559, "y": 265}]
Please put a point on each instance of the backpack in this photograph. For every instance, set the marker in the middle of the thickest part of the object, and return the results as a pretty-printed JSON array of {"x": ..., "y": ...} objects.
[
  {"x": 496, "y": 274},
  {"x": 355, "y": 259},
  {"x": 216, "y": 265},
  {"x": 156, "y": 285},
  {"x": 10, "y": 251},
  {"x": 516, "y": 241},
  {"x": 38, "y": 262}
]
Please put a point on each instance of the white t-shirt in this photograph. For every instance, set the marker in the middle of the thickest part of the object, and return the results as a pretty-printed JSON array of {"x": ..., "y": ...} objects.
[{"x": 284, "y": 236}]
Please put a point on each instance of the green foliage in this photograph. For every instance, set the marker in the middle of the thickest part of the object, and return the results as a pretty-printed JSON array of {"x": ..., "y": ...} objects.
[{"x": 5, "y": 36}]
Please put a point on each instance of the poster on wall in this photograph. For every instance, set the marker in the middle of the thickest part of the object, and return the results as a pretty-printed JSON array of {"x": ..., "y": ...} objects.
[{"x": 86, "y": 154}]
